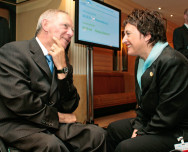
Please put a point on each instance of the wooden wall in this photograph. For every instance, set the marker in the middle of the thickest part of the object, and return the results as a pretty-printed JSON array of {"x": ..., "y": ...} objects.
[
  {"x": 112, "y": 87},
  {"x": 169, "y": 33}
]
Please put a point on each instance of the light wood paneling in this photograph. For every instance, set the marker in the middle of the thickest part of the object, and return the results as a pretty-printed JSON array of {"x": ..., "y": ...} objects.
[{"x": 80, "y": 84}]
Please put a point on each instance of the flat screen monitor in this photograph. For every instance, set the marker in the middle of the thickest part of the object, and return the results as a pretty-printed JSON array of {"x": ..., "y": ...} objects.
[{"x": 97, "y": 24}]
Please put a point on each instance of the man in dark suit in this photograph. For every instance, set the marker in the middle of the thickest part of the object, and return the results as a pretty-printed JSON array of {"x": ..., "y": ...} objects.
[
  {"x": 37, "y": 101},
  {"x": 180, "y": 36}
]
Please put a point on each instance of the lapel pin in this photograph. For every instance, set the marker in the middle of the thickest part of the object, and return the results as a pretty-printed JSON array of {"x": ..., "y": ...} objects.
[{"x": 151, "y": 74}]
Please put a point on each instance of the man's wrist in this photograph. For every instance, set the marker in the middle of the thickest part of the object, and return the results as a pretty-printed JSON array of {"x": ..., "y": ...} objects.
[{"x": 63, "y": 70}]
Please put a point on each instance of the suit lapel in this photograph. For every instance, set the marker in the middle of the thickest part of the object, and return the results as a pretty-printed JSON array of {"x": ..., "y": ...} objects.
[{"x": 39, "y": 58}]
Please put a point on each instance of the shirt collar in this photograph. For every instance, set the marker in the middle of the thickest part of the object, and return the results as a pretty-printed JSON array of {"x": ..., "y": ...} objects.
[
  {"x": 155, "y": 52},
  {"x": 143, "y": 65},
  {"x": 44, "y": 50},
  {"x": 186, "y": 25}
]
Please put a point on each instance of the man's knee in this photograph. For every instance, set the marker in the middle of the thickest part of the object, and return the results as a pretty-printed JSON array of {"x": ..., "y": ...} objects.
[
  {"x": 128, "y": 146},
  {"x": 98, "y": 134},
  {"x": 122, "y": 146},
  {"x": 111, "y": 131},
  {"x": 97, "y": 138}
]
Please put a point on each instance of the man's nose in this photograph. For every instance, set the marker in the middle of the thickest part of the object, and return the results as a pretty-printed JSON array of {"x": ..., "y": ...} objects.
[{"x": 70, "y": 32}]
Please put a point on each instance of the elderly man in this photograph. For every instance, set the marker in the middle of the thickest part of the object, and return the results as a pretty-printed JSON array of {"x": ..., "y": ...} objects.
[{"x": 37, "y": 94}]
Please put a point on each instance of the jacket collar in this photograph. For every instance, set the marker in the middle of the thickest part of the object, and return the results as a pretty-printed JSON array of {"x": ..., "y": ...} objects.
[
  {"x": 39, "y": 57},
  {"x": 185, "y": 28},
  {"x": 143, "y": 65},
  {"x": 40, "y": 60}
]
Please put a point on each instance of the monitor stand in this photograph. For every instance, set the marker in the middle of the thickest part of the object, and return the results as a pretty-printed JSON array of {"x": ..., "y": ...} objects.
[{"x": 90, "y": 109}]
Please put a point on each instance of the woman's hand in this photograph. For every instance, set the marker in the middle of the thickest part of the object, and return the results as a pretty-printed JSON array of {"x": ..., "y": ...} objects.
[{"x": 134, "y": 133}]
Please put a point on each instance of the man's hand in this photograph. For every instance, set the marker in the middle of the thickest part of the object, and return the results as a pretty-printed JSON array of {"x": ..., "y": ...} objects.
[
  {"x": 58, "y": 55},
  {"x": 134, "y": 133},
  {"x": 66, "y": 117}
]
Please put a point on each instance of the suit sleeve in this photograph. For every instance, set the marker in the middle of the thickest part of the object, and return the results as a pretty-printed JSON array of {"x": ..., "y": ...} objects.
[
  {"x": 69, "y": 97},
  {"x": 173, "y": 95},
  {"x": 178, "y": 41}
]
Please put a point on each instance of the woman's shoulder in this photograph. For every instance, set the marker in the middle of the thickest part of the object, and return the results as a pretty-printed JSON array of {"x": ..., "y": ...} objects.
[{"x": 171, "y": 56}]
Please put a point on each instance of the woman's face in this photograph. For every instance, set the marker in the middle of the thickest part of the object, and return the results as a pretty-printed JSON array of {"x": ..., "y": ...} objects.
[{"x": 136, "y": 43}]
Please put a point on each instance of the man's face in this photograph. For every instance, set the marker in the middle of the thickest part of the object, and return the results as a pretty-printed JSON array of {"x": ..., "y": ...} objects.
[
  {"x": 186, "y": 18},
  {"x": 61, "y": 27},
  {"x": 134, "y": 40}
]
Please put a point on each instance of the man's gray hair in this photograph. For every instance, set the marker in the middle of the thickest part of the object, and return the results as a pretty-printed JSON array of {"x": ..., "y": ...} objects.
[{"x": 47, "y": 15}]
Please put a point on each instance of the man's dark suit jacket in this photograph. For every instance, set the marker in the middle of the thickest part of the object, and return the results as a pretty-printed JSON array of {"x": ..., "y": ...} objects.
[
  {"x": 163, "y": 101},
  {"x": 180, "y": 40},
  {"x": 30, "y": 96}
]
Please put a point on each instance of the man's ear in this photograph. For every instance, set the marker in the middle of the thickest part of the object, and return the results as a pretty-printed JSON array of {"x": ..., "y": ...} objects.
[{"x": 45, "y": 25}]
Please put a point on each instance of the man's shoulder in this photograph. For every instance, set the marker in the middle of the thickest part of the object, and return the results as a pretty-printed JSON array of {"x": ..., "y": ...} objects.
[
  {"x": 19, "y": 47},
  {"x": 15, "y": 43},
  {"x": 19, "y": 44},
  {"x": 181, "y": 28},
  {"x": 169, "y": 54}
]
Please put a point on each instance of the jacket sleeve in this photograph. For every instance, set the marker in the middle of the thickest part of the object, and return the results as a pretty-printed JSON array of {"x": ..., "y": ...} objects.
[
  {"x": 69, "y": 97},
  {"x": 137, "y": 123}
]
